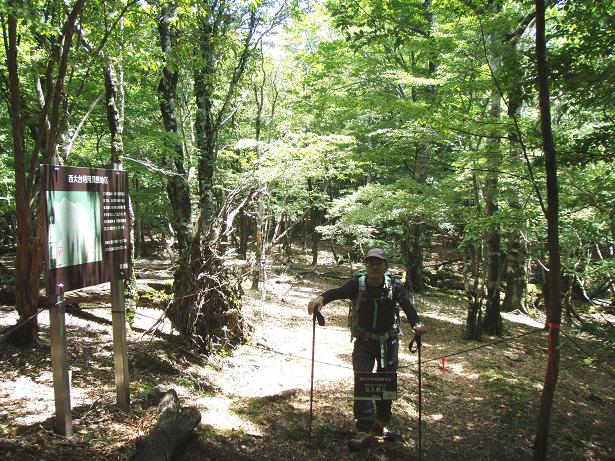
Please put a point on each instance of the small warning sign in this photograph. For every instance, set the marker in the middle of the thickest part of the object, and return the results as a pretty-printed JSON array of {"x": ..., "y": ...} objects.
[{"x": 375, "y": 386}]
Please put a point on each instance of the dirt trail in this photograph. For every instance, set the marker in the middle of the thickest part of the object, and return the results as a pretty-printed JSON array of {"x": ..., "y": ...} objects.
[{"x": 255, "y": 400}]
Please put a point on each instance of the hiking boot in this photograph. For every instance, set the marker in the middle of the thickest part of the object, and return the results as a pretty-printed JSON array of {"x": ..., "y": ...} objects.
[
  {"x": 364, "y": 426},
  {"x": 378, "y": 428},
  {"x": 363, "y": 442}
]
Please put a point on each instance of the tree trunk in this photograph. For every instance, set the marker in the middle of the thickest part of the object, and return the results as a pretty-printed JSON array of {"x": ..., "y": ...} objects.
[
  {"x": 516, "y": 282},
  {"x": 414, "y": 238},
  {"x": 474, "y": 293},
  {"x": 208, "y": 295},
  {"x": 207, "y": 298},
  {"x": 178, "y": 189},
  {"x": 114, "y": 93},
  {"x": 116, "y": 123},
  {"x": 413, "y": 253},
  {"x": 259, "y": 244},
  {"x": 28, "y": 213},
  {"x": 138, "y": 228},
  {"x": 516, "y": 256},
  {"x": 554, "y": 304},
  {"x": 493, "y": 320},
  {"x": 414, "y": 235},
  {"x": 206, "y": 141},
  {"x": 215, "y": 30},
  {"x": 258, "y": 274},
  {"x": 26, "y": 306},
  {"x": 288, "y": 238},
  {"x": 244, "y": 234},
  {"x": 472, "y": 279},
  {"x": 315, "y": 219},
  {"x": 316, "y": 236}
]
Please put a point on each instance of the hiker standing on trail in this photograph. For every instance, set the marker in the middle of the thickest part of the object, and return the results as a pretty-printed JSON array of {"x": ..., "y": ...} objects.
[{"x": 375, "y": 324}]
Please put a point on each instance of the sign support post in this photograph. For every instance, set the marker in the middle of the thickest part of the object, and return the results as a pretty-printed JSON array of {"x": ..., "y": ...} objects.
[
  {"x": 120, "y": 348},
  {"x": 61, "y": 379},
  {"x": 120, "y": 356}
]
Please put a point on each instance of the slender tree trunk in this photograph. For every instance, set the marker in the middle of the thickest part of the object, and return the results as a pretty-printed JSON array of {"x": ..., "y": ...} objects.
[
  {"x": 316, "y": 215},
  {"x": 206, "y": 123},
  {"x": 28, "y": 213},
  {"x": 207, "y": 296},
  {"x": 178, "y": 189},
  {"x": 114, "y": 93},
  {"x": 514, "y": 294},
  {"x": 259, "y": 244},
  {"x": 138, "y": 229},
  {"x": 288, "y": 238},
  {"x": 27, "y": 334},
  {"x": 611, "y": 279},
  {"x": 316, "y": 236},
  {"x": 261, "y": 216},
  {"x": 473, "y": 291},
  {"x": 116, "y": 123},
  {"x": 554, "y": 304},
  {"x": 414, "y": 238},
  {"x": 244, "y": 233},
  {"x": 413, "y": 252},
  {"x": 206, "y": 141},
  {"x": 493, "y": 320},
  {"x": 516, "y": 256},
  {"x": 472, "y": 279},
  {"x": 414, "y": 232}
]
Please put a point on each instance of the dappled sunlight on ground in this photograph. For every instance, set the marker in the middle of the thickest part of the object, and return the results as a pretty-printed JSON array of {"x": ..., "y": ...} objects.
[
  {"x": 255, "y": 400},
  {"x": 28, "y": 400},
  {"x": 216, "y": 412},
  {"x": 524, "y": 319}
]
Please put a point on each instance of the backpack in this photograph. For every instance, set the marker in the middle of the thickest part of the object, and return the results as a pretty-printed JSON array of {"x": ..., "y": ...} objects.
[{"x": 355, "y": 330}]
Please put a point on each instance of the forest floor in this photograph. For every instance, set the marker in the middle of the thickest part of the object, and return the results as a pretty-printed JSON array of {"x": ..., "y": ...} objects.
[{"x": 255, "y": 400}]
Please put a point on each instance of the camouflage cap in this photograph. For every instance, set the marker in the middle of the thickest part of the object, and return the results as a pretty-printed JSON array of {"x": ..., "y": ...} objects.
[{"x": 377, "y": 253}]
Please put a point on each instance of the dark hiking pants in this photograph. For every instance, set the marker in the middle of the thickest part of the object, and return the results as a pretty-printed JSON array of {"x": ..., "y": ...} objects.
[{"x": 366, "y": 353}]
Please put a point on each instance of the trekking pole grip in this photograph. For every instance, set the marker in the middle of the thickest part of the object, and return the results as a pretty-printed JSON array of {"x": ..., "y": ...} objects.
[
  {"x": 318, "y": 316},
  {"x": 415, "y": 344}
]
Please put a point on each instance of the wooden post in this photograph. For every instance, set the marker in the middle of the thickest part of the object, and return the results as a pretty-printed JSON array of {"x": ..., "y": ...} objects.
[
  {"x": 120, "y": 348},
  {"x": 59, "y": 363}
]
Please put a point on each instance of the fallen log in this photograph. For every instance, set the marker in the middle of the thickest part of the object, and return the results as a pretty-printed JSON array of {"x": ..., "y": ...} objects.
[
  {"x": 152, "y": 293},
  {"x": 173, "y": 425},
  {"x": 282, "y": 395}
]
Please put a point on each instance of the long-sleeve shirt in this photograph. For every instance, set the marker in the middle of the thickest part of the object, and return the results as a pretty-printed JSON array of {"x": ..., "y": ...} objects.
[{"x": 375, "y": 300}]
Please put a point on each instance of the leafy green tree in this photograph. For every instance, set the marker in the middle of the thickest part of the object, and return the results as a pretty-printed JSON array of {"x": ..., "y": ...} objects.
[
  {"x": 37, "y": 109},
  {"x": 402, "y": 33},
  {"x": 178, "y": 188},
  {"x": 226, "y": 35},
  {"x": 554, "y": 294}
]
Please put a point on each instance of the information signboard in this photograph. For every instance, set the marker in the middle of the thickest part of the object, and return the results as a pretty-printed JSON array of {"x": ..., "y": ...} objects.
[
  {"x": 87, "y": 226},
  {"x": 375, "y": 386}
]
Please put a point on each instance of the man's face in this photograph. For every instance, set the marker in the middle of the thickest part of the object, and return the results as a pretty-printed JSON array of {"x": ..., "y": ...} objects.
[{"x": 376, "y": 267}]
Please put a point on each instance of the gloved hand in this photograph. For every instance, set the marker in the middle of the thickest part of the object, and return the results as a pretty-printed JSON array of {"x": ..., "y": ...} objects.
[
  {"x": 419, "y": 329},
  {"x": 315, "y": 305}
]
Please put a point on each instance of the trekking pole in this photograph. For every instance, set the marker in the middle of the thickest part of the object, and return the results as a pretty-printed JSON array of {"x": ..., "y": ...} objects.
[
  {"x": 321, "y": 321},
  {"x": 417, "y": 340}
]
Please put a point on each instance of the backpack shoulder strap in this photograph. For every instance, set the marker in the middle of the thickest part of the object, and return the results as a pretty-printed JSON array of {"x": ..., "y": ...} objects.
[
  {"x": 362, "y": 281},
  {"x": 389, "y": 286},
  {"x": 354, "y": 304}
]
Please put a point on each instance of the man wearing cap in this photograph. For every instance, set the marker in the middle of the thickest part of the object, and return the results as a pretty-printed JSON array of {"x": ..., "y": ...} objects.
[{"x": 374, "y": 323}]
